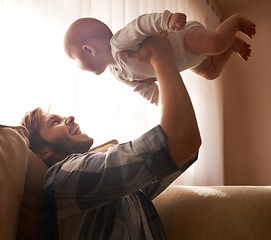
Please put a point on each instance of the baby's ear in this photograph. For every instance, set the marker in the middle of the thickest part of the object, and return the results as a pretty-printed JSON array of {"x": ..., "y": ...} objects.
[{"x": 89, "y": 49}]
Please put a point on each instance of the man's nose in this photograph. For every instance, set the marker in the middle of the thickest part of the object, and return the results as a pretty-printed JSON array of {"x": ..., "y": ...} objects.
[{"x": 69, "y": 120}]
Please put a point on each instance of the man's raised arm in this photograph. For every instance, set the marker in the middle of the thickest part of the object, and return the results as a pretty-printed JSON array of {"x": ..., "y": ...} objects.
[{"x": 178, "y": 119}]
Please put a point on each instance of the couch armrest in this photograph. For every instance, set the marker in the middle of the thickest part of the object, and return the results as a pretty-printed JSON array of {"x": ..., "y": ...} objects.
[
  {"x": 13, "y": 167},
  {"x": 212, "y": 213}
]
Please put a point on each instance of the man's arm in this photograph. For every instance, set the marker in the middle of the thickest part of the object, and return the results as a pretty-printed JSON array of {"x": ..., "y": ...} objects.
[{"x": 178, "y": 119}]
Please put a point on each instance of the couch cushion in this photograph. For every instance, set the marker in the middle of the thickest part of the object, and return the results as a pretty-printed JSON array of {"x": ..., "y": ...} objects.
[
  {"x": 22, "y": 213},
  {"x": 216, "y": 212},
  {"x": 13, "y": 166},
  {"x": 32, "y": 220}
]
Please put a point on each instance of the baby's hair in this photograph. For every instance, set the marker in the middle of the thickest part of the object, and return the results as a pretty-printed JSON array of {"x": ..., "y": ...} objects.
[{"x": 85, "y": 29}]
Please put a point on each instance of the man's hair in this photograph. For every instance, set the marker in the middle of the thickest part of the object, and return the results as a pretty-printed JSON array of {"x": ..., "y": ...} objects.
[{"x": 32, "y": 121}]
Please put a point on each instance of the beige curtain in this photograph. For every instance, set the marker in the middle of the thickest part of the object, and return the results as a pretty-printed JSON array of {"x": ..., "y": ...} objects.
[{"x": 36, "y": 72}]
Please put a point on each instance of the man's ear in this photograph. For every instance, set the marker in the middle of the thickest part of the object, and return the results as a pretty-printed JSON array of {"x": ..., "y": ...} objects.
[
  {"x": 89, "y": 49},
  {"x": 44, "y": 153}
]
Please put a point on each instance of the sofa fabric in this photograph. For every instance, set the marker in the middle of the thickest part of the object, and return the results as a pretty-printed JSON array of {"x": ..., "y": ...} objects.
[
  {"x": 32, "y": 217},
  {"x": 189, "y": 213},
  {"x": 14, "y": 157},
  {"x": 216, "y": 212},
  {"x": 22, "y": 213}
]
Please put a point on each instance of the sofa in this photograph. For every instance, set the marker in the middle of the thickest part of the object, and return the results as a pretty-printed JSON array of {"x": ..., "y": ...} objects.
[{"x": 187, "y": 212}]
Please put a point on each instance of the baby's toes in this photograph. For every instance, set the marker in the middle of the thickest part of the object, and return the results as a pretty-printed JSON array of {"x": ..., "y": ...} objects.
[{"x": 252, "y": 30}]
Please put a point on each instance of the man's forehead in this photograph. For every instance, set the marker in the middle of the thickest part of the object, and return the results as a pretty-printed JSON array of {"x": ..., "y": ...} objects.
[
  {"x": 45, "y": 123},
  {"x": 48, "y": 117}
]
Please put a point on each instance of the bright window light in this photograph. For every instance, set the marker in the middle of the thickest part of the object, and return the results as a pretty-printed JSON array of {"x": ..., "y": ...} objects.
[{"x": 36, "y": 72}]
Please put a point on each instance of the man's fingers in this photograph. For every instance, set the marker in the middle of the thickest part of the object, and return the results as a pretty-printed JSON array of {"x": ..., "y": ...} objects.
[
  {"x": 127, "y": 53},
  {"x": 152, "y": 47},
  {"x": 131, "y": 54}
]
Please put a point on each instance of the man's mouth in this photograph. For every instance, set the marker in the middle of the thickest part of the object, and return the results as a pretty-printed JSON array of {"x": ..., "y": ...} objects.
[{"x": 75, "y": 131}]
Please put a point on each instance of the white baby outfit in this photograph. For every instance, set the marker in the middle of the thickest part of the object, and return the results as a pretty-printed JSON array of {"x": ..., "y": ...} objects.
[{"x": 132, "y": 72}]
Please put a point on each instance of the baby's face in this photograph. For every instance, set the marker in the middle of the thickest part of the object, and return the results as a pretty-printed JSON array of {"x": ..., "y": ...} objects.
[{"x": 88, "y": 59}]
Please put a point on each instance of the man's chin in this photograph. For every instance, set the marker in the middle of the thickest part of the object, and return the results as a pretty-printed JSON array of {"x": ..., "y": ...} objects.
[
  {"x": 84, "y": 146},
  {"x": 76, "y": 144},
  {"x": 82, "y": 137}
]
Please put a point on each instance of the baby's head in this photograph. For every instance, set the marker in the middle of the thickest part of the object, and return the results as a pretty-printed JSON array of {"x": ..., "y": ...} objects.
[{"x": 85, "y": 38}]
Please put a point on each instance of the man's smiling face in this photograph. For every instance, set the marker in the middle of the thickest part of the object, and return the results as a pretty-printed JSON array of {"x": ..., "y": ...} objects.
[{"x": 64, "y": 135}]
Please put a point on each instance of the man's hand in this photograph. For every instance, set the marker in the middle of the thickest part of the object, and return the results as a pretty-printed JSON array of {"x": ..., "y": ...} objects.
[
  {"x": 153, "y": 50},
  {"x": 177, "y": 21}
]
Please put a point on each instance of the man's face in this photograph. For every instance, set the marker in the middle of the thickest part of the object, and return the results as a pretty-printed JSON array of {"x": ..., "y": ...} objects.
[{"x": 64, "y": 135}]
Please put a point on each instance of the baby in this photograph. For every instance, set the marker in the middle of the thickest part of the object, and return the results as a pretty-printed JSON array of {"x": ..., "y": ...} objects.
[{"x": 92, "y": 44}]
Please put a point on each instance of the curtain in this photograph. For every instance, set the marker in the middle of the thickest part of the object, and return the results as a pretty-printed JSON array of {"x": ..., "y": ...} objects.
[{"x": 36, "y": 72}]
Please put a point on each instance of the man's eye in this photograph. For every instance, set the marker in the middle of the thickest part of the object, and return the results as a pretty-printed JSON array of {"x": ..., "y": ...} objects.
[{"x": 54, "y": 122}]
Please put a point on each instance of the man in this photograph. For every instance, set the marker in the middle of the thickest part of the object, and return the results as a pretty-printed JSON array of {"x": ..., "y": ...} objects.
[{"x": 93, "y": 195}]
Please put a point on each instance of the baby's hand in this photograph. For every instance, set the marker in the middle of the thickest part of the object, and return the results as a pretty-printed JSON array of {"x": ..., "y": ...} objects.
[{"x": 177, "y": 21}]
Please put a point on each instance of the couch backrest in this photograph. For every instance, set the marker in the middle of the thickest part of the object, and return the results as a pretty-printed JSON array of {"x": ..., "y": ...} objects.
[{"x": 21, "y": 187}]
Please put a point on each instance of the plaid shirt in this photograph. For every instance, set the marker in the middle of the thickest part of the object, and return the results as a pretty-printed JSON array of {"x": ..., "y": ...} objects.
[{"x": 108, "y": 195}]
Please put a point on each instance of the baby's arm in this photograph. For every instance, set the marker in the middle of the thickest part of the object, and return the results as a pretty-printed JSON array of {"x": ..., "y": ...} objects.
[
  {"x": 129, "y": 37},
  {"x": 146, "y": 88}
]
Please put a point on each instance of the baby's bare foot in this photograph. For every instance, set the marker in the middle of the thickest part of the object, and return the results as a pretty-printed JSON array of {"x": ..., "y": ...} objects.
[
  {"x": 241, "y": 48},
  {"x": 246, "y": 26}
]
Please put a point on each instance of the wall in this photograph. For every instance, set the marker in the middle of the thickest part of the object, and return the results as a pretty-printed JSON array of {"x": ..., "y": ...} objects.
[{"x": 246, "y": 88}]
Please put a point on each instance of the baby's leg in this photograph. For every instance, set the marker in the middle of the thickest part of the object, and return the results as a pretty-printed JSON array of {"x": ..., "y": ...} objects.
[
  {"x": 200, "y": 40},
  {"x": 237, "y": 23},
  {"x": 213, "y": 65}
]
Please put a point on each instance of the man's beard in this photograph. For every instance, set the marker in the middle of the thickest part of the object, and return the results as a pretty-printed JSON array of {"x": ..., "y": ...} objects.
[{"x": 66, "y": 146}]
